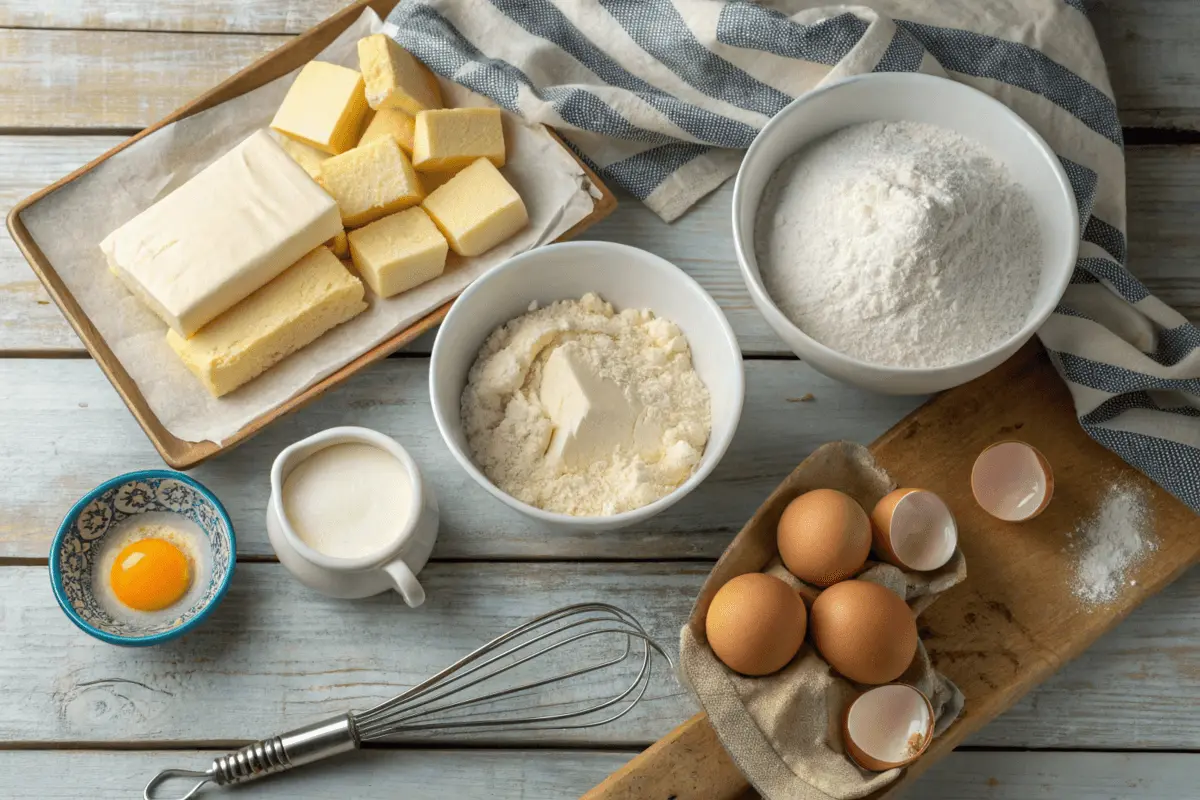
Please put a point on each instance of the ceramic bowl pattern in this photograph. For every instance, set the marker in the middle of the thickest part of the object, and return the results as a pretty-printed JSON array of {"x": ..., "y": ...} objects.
[{"x": 103, "y": 509}]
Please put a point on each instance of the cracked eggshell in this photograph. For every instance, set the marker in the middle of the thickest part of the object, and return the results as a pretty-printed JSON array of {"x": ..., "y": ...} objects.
[
  {"x": 887, "y": 727},
  {"x": 1012, "y": 481},
  {"x": 914, "y": 529}
]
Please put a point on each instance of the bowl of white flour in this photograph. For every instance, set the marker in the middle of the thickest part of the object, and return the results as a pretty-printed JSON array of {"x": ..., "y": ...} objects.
[
  {"x": 903, "y": 232},
  {"x": 587, "y": 385}
]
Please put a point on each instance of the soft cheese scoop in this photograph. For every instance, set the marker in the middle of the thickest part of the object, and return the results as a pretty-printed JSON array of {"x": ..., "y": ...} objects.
[{"x": 592, "y": 415}]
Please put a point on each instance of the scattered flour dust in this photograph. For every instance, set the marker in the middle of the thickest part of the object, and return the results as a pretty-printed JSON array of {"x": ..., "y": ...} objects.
[
  {"x": 901, "y": 244},
  {"x": 509, "y": 430},
  {"x": 1108, "y": 544}
]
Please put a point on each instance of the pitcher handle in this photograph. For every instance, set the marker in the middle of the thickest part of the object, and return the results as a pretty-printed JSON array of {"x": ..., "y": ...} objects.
[{"x": 406, "y": 582}]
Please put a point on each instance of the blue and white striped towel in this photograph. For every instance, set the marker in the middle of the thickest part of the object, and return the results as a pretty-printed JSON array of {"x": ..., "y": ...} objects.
[{"x": 662, "y": 97}]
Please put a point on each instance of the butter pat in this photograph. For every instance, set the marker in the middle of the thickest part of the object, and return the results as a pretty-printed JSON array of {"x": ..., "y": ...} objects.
[
  {"x": 388, "y": 121},
  {"x": 307, "y": 156},
  {"x": 313, "y": 296},
  {"x": 372, "y": 181},
  {"x": 476, "y": 209},
  {"x": 203, "y": 248},
  {"x": 451, "y": 138},
  {"x": 394, "y": 78},
  {"x": 592, "y": 415},
  {"x": 323, "y": 108},
  {"x": 398, "y": 252}
]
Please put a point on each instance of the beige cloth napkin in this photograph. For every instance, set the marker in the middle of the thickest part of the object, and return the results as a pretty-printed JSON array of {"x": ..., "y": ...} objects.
[{"x": 783, "y": 730}]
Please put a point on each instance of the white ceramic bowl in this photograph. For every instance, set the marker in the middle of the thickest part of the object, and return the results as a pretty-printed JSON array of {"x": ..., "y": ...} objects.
[
  {"x": 624, "y": 276},
  {"x": 917, "y": 98}
]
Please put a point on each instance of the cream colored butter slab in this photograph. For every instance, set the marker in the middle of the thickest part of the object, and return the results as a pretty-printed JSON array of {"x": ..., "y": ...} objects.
[
  {"x": 372, "y": 181},
  {"x": 311, "y": 297},
  {"x": 394, "y": 78},
  {"x": 452, "y": 138},
  {"x": 324, "y": 107},
  {"x": 476, "y": 209},
  {"x": 233, "y": 227},
  {"x": 399, "y": 252}
]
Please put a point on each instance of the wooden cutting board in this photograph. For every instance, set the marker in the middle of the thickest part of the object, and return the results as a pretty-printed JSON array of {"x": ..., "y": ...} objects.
[{"x": 1014, "y": 621}]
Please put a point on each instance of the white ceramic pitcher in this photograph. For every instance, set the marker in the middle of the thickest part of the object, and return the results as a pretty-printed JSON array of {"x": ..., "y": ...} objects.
[{"x": 395, "y": 566}]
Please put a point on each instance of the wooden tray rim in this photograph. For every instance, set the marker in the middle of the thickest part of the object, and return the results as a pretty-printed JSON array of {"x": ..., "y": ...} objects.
[{"x": 180, "y": 453}]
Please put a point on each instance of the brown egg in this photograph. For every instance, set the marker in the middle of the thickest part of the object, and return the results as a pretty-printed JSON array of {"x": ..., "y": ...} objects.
[
  {"x": 824, "y": 536},
  {"x": 866, "y": 632},
  {"x": 756, "y": 624}
]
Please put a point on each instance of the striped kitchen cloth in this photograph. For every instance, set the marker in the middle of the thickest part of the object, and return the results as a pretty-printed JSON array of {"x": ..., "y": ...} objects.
[{"x": 662, "y": 96}]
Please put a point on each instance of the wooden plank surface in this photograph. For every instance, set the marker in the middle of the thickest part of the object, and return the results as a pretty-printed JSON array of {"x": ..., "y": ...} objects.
[
  {"x": 276, "y": 655},
  {"x": 66, "y": 430},
  {"x": 537, "y": 774},
  {"x": 1164, "y": 202},
  {"x": 1150, "y": 46}
]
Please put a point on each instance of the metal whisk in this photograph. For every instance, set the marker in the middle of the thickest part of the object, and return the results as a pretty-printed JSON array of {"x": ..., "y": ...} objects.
[{"x": 480, "y": 692}]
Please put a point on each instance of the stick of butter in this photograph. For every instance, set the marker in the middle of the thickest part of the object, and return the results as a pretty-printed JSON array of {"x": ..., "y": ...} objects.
[
  {"x": 207, "y": 245},
  {"x": 313, "y": 296},
  {"x": 477, "y": 209},
  {"x": 394, "y": 78}
]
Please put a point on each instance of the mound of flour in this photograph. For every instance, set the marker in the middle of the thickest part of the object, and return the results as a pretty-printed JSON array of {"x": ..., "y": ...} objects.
[{"x": 899, "y": 243}]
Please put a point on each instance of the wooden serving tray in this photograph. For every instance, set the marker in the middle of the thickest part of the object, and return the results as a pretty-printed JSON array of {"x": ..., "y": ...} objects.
[
  {"x": 1014, "y": 621},
  {"x": 179, "y": 453}
]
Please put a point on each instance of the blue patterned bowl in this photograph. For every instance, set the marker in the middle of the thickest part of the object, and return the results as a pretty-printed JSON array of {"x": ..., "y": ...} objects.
[{"x": 77, "y": 545}]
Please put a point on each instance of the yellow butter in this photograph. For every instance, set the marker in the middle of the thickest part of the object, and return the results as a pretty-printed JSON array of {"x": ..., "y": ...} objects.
[
  {"x": 451, "y": 138},
  {"x": 207, "y": 245},
  {"x": 476, "y": 209},
  {"x": 390, "y": 121},
  {"x": 371, "y": 181},
  {"x": 394, "y": 78},
  {"x": 324, "y": 107},
  {"x": 311, "y": 297},
  {"x": 305, "y": 155},
  {"x": 340, "y": 245},
  {"x": 398, "y": 252}
]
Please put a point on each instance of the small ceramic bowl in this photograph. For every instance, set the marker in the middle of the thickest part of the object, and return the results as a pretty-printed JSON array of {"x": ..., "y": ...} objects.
[{"x": 77, "y": 546}]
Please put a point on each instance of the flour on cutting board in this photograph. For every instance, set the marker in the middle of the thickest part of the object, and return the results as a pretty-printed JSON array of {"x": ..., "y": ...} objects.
[{"x": 1110, "y": 543}]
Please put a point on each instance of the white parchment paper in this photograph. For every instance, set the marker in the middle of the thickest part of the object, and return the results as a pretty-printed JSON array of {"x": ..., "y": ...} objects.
[{"x": 69, "y": 224}]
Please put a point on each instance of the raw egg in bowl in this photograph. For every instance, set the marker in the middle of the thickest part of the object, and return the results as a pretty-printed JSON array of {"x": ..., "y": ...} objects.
[{"x": 142, "y": 558}]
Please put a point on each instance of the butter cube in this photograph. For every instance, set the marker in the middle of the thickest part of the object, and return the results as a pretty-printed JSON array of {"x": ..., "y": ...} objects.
[
  {"x": 323, "y": 108},
  {"x": 451, "y": 138},
  {"x": 390, "y": 121},
  {"x": 305, "y": 155},
  {"x": 476, "y": 209},
  {"x": 371, "y": 181},
  {"x": 394, "y": 78},
  {"x": 313, "y": 296},
  {"x": 340, "y": 245},
  {"x": 398, "y": 252},
  {"x": 207, "y": 245}
]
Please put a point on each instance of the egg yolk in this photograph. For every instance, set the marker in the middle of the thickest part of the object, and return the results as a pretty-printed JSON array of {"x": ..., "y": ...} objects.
[{"x": 150, "y": 574}]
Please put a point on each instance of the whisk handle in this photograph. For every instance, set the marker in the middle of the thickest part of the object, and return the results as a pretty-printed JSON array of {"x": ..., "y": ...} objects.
[{"x": 270, "y": 756}]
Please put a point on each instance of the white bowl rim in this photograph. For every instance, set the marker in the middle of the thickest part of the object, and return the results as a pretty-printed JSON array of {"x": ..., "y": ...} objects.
[
  {"x": 766, "y": 304},
  {"x": 703, "y": 469}
]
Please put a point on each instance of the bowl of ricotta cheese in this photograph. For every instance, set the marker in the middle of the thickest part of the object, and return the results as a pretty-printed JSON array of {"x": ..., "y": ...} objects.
[
  {"x": 903, "y": 232},
  {"x": 588, "y": 385}
]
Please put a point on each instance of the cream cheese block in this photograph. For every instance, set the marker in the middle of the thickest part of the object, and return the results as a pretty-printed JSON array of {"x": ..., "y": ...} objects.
[
  {"x": 324, "y": 107},
  {"x": 372, "y": 181},
  {"x": 476, "y": 209},
  {"x": 203, "y": 248},
  {"x": 398, "y": 252},
  {"x": 394, "y": 78},
  {"x": 452, "y": 138},
  {"x": 390, "y": 121},
  {"x": 313, "y": 296}
]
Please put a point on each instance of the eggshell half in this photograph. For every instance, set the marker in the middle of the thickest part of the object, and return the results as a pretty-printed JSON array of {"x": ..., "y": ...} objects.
[
  {"x": 887, "y": 727},
  {"x": 1012, "y": 481},
  {"x": 914, "y": 529}
]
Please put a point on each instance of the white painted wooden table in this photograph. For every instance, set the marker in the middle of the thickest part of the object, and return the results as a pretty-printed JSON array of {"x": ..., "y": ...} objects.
[{"x": 83, "y": 719}]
